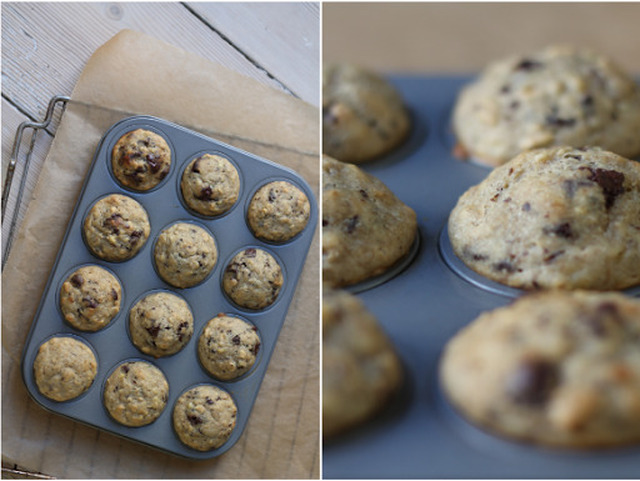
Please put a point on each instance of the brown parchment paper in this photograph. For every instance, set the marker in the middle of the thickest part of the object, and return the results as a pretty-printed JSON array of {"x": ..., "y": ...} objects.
[{"x": 136, "y": 74}]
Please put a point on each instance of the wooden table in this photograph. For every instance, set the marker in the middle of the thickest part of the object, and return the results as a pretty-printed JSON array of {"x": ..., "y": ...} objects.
[{"x": 46, "y": 45}]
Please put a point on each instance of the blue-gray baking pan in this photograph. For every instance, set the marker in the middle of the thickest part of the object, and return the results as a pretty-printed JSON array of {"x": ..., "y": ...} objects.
[
  {"x": 164, "y": 206},
  {"x": 419, "y": 435}
]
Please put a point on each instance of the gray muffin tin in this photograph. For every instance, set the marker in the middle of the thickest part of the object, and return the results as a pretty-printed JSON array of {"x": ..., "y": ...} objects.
[
  {"x": 419, "y": 435},
  {"x": 137, "y": 276}
]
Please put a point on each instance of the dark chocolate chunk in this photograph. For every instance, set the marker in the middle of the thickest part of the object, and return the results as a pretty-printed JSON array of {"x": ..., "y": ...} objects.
[
  {"x": 364, "y": 194},
  {"x": 196, "y": 166},
  {"x": 250, "y": 252},
  {"x": 256, "y": 349},
  {"x": 114, "y": 295},
  {"x": 153, "y": 330},
  {"x": 526, "y": 207},
  {"x": 325, "y": 222},
  {"x": 77, "y": 280},
  {"x": 561, "y": 230},
  {"x": 532, "y": 382},
  {"x": 272, "y": 195},
  {"x": 206, "y": 193},
  {"x": 559, "y": 122},
  {"x": 90, "y": 301},
  {"x": 236, "y": 340},
  {"x": 125, "y": 368},
  {"x": 194, "y": 420},
  {"x": 528, "y": 65},
  {"x": 504, "y": 266},
  {"x": 610, "y": 181},
  {"x": 553, "y": 255}
]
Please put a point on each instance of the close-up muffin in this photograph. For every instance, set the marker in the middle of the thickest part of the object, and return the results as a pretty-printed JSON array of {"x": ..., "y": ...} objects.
[
  {"x": 363, "y": 115},
  {"x": 360, "y": 369},
  {"x": 553, "y": 218},
  {"x": 560, "y": 95},
  {"x": 560, "y": 368},
  {"x": 366, "y": 229}
]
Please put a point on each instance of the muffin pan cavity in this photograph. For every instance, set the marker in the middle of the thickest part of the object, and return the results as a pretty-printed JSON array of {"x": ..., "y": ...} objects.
[{"x": 138, "y": 277}]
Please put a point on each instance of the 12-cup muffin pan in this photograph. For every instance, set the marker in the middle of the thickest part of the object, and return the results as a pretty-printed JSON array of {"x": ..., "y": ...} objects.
[
  {"x": 137, "y": 276},
  {"x": 419, "y": 434}
]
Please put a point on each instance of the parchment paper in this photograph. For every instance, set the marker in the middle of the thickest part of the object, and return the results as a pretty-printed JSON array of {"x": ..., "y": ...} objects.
[{"x": 137, "y": 74}]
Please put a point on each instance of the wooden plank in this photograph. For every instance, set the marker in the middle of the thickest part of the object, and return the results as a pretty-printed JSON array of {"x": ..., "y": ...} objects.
[
  {"x": 45, "y": 45},
  {"x": 284, "y": 39}
]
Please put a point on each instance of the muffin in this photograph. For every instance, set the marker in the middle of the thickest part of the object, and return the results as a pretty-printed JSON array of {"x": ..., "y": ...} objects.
[
  {"x": 136, "y": 393},
  {"x": 278, "y": 212},
  {"x": 210, "y": 185},
  {"x": 560, "y": 95},
  {"x": 360, "y": 370},
  {"x": 559, "y": 368},
  {"x": 160, "y": 324},
  {"x": 228, "y": 347},
  {"x": 64, "y": 368},
  {"x": 185, "y": 254},
  {"x": 116, "y": 228},
  {"x": 553, "y": 218},
  {"x": 366, "y": 229},
  {"x": 204, "y": 417},
  {"x": 364, "y": 116},
  {"x": 253, "y": 279},
  {"x": 90, "y": 298},
  {"x": 141, "y": 159}
]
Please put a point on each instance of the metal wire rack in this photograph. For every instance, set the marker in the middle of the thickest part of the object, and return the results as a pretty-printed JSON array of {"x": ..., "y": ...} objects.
[{"x": 58, "y": 100}]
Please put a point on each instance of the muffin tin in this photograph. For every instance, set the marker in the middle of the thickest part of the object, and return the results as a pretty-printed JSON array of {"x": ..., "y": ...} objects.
[
  {"x": 419, "y": 434},
  {"x": 164, "y": 206}
]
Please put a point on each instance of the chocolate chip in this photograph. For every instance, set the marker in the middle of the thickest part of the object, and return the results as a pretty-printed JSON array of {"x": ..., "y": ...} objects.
[
  {"x": 514, "y": 105},
  {"x": 526, "y": 207},
  {"x": 272, "y": 195},
  {"x": 206, "y": 193},
  {"x": 553, "y": 255},
  {"x": 352, "y": 223},
  {"x": 587, "y": 101},
  {"x": 256, "y": 348},
  {"x": 528, "y": 65},
  {"x": 196, "y": 166},
  {"x": 194, "y": 420},
  {"x": 153, "y": 331},
  {"x": 208, "y": 400},
  {"x": 325, "y": 222},
  {"x": 504, "y": 266},
  {"x": 250, "y": 252},
  {"x": 505, "y": 89},
  {"x": 610, "y": 181},
  {"x": 561, "y": 230},
  {"x": 236, "y": 340},
  {"x": 559, "y": 122},
  {"x": 77, "y": 280},
  {"x": 90, "y": 301},
  {"x": 532, "y": 382},
  {"x": 364, "y": 194},
  {"x": 125, "y": 368},
  {"x": 114, "y": 222},
  {"x": 114, "y": 295}
]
